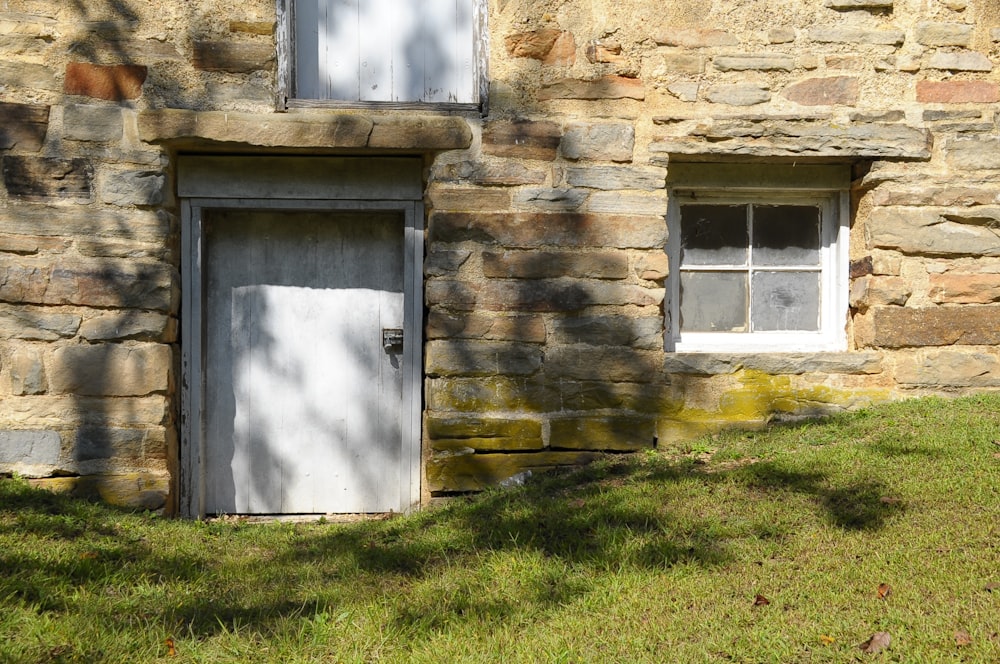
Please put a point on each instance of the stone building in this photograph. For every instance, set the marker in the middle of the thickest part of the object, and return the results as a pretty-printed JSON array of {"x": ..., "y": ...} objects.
[{"x": 286, "y": 256}]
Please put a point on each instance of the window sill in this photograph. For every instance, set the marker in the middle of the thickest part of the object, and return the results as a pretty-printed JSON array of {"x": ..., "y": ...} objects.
[{"x": 774, "y": 363}]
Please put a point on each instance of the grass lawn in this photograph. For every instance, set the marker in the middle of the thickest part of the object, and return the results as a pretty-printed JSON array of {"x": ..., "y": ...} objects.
[{"x": 656, "y": 557}]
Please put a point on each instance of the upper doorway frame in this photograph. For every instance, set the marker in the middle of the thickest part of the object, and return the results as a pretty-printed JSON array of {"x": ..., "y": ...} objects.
[{"x": 290, "y": 184}]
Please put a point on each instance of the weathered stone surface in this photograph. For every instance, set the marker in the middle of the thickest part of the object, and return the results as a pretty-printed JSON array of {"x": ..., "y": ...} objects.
[
  {"x": 405, "y": 131},
  {"x": 110, "y": 369},
  {"x": 530, "y": 394},
  {"x": 441, "y": 262},
  {"x": 900, "y": 327},
  {"x": 973, "y": 153},
  {"x": 930, "y": 232},
  {"x": 754, "y": 62},
  {"x": 92, "y": 123},
  {"x": 46, "y": 411},
  {"x": 481, "y": 358},
  {"x": 646, "y": 398},
  {"x": 684, "y": 90},
  {"x": 110, "y": 82},
  {"x": 603, "y": 433},
  {"x": 964, "y": 195},
  {"x": 850, "y": 5},
  {"x": 653, "y": 267},
  {"x": 29, "y": 452},
  {"x": 232, "y": 57},
  {"x": 606, "y": 51},
  {"x": 642, "y": 333},
  {"x": 708, "y": 364},
  {"x": 965, "y": 61},
  {"x": 483, "y": 434},
  {"x": 23, "y": 126},
  {"x": 852, "y": 62},
  {"x": 948, "y": 368},
  {"x": 107, "y": 283},
  {"x": 603, "y": 141},
  {"x": 475, "y": 472},
  {"x": 943, "y": 34},
  {"x": 842, "y": 90},
  {"x": 684, "y": 63},
  {"x": 870, "y": 291},
  {"x": 694, "y": 38},
  {"x": 48, "y": 179},
  {"x": 36, "y": 324},
  {"x": 133, "y": 188},
  {"x": 31, "y": 244},
  {"x": 252, "y": 27},
  {"x": 524, "y": 139},
  {"x": 550, "y": 199},
  {"x": 585, "y": 362},
  {"x": 781, "y": 35},
  {"x": 138, "y": 325},
  {"x": 60, "y": 222},
  {"x": 957, "y": 92},
  {"x": 857, "y": 36},
  {"x": 507, "y": 173},
  {"x": 144, "y": 490},
  {"x": 115, "y": 248},
  {"x": 653, "y": 203},
  {"x": 613, "y": 178},
  {"x": 936, "y": 115},
  {"x": 540, "y": 295},
  {"x": 552, "y": 47},
  {"x": 740, "y": 94},
  {"x": 27, "y": 375},
  {"x": 605, "y": 87},
  {"x": 531, "y": 230},
  {"x": 28, "y": 75},
  {"x": 544, "y": 264},
  {"x": 468, "y": 199},
  {"x": 221, "y": 95},
  {"x": 964, "y": 288},
  {"x": 494, "y": 327}
]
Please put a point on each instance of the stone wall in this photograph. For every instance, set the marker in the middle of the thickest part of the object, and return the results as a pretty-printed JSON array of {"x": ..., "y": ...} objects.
[{"x": 546, "y": 276}]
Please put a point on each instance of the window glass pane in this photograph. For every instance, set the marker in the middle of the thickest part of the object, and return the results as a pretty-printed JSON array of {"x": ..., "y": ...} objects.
[
  {"x": 786, "y": 235},
  {"x": 713, "y": 302},
  {"x": 714, "y": 235},
  {"x": 785, "y": 301}
]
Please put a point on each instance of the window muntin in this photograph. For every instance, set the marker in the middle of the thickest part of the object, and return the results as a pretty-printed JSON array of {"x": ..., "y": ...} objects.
[{"x": 760, "y": 271}]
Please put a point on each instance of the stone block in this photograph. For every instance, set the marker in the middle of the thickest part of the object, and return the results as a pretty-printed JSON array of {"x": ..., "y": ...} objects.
[
  {"x": 605, "y": 51},
  {"x": 605, "y": 87},
  {"x": 609, "y": 434},
  {"x": 440, "y": 261},
  {"x": 834, "y": 90},
  {"x": 851, "y": 5},
  {"x": 547, "y": 264},
  {"x": 653, "y": 267},
  {"x": 602, "y": 141},
  {"x": 133, "y": 188},
  {"x": 974, "y": 154},
  {"x": 873, "y": 291},
  {"x": 32, "y": 244},
  {"x": 143, "y": 490},
  {"x": 739, "y": 94},
  {"x": 233, "y": 57},
  {"x": 109, "y": 82},
  {"x": 562, "y": 295},
  {"x": 27, "y": 375},
  {"x": 114, "y": 248},
  {"x": 88, "y": 222},
  {"x": 523, "y": 139},
  {"x": 36, "y": 324},
  {"x": 684, "y": 90},
  {"x": 460, "y": 434},
  {"x": 475, "y": 472},
  {"x": 964, "y": 288},
  {"x": 943, "y": 34},
  {"x": 530, "y": 394},
  {"x": 23, "y": 126},
  {"x": 29, "y": 452},
  {"x": 929, "y": 232},
  {"x": 535, "y": 44},
  {"x": 103, "y": 284},
  {"x": 642, "y": 333},
  {"x": 132, "y": 324},
  {"x": 505, "y": 173},
  {"x": 550, "y": 199},
  {"x": 561, "y": 230},
  {"x": 92, "y": 123},
  {"x": 684, "y": 63},
  {"x": 849, "y": 35},
  {"x": 494, "y": 327},
  {"x": 410, "y": 132},
  {"x": 614, "y": 178},
  {"x": 43, "y": 179},
  {"x": 610, "y": 363},
  {"x": 467, "y": 199},
  {"x": 964, "y": 61},
  {"x": 959, "y": 195},
  {"x": 944, "y": 369},
  {"x": 263, "y": 28},
  {"x": 782, "y": 35},
  {"x": 971, "y": 325},
  {"x": 694, "y": 37},
  {"x": 654, "y": 399},
  {"x": 754, "y": 62},
  {"x": 481, "y": 358},
  {"x": 609, "y": 202},
  {"x": 773, "y": 364},
  {"x": 110, "y": 370},
  {"x": 28, "y": 75}
]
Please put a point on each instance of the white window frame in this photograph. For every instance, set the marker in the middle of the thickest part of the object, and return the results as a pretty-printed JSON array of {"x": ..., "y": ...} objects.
[
  {"x": 826, "y": 187},
  {"x": 287, "y": 95}
]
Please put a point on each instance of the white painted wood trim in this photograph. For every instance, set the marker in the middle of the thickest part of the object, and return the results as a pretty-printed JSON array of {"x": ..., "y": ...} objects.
[{"x": 283, "y": 44}]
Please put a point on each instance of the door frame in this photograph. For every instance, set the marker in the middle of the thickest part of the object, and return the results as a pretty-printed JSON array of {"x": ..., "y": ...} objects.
[{"x": 289, "y": 184}]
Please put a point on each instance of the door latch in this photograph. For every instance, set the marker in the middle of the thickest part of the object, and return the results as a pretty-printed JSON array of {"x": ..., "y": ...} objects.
[{"x": 392, "y": 339}]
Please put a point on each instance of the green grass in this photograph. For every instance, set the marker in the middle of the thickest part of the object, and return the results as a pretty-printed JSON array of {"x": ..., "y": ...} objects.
[{"x": 650, "y": 558}]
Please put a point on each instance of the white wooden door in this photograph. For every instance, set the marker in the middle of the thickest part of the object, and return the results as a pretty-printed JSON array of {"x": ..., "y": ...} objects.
[{"x": 302, "y": 400}]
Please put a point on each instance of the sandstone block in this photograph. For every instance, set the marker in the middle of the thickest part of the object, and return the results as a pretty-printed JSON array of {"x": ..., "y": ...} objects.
[
  {"x": 481, "y": 358},
  {"x": 943, "y": 34},
  {"x": 653, "y": 203},
  {"x": 87, "y": 222},
  {"x": 653, "y": 267},
  {"x": 710, "y": 364},
  {"x": 857, "y": 36},
  {"x": 29, "y": 452},
  {"x": 530, "y": 394},
  {"x": 475, "y": 472},
  {"x": 27, "y": 375},
  {"x": 605, "y": 87},
  {"x": 616, "y": 434},
  {"x": 37, "y": 324},
  {"x": 694, "y": 38},
  {"x": 780, "y": 35},
  {"x": 740, "y": 94},
  {"x": 965, "y": 61},
  {"x": 494, "y": 327},
  {"x": 642, "y": 333},
  {"x": 483, "y": 434},
  {"x": 684, "y": 63},
  {"x": 964, "y": 288},
  {"x": 263, "y": 28},
  {"x": 613, "y": 178},
  {"x": 92, "y": 123},
  {"x": 440, "y": 262},
  {"x": 109, "y": 283},
  {"x": 835, "y": 90},
  {"x": 404, "y": 131},
  {"x": 505, "y": 173},
  {"x": 928, "y": 232},
  {"x": 110, "y": 370},
  {"x": 546, "y": 264},
  {"x": 653, "y": 399},
  {"x": 872, "y": 291},
  {"x": 28, "y": 75},
  {"x": 221, "y": 95},
  {"x": 605, "y": 51},
  {"x": 134, "y": 188},
  {"x": 900, "y": 327},
  {"x": 551, "y": 199},
  {"x": 145, "y": 490},
  {"x": 850, "y": 5},
  {"x": 935, "y": 115},
  {"x": 23, "y": 126},
  {"x": 138, "y": 325},
  {"x": 603, "y": 141},
  {"x": 974, "y": 153},
  {"x": 531, "y": 230},
  {"x": 684, "y": 90},
  {"x": 43, "y": 179},
  {"x": 467, "y": 199},
  {"x": 948, "y": 368},
  {"x": 232, "y": 57},
  {"x": 754, "y": 62},
  {"x": 32, "y": 244},
  {"x": 610, "y": 363},
  {"x": 962, "y": 195},
  {"x": 110, "y": 82},
  {"x": 522, "y": 139},
  {"x": 562, "y": 295},
  {"x": 535, "y": 44}
]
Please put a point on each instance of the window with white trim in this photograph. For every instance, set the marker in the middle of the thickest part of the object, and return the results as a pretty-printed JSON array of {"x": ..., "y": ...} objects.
[
  {"x": 390, "y": 53},
  {"x": 755, "y": 267}
]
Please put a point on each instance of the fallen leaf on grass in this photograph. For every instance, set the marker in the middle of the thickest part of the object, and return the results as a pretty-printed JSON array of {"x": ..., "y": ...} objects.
[
  {"x": 827, "y": 640},
  {"x": 962, "y": 638},
  {"x": 884, "y": 591},
  {"x": 993, "y": 585},
  {"x": 579, "y": 502},
  {"x": 88, "y": 555},
  {"x": 890, "y": 500},
  {"x": 760, "y": 600},
  {"x": 876, "y": 644},
  {"x": 171, "y": 650}
]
